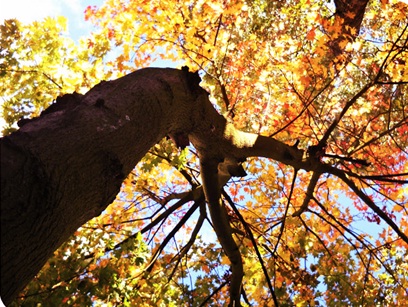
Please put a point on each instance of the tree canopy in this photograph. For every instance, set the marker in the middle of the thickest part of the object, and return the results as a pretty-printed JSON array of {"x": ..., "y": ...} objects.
[{"x": 320, "y": 221}]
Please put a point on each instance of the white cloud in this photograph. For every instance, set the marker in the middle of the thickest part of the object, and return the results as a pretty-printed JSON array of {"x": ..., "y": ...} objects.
[
  {"x": 29, "y": 10},
  {"x": 75, "y": 6}
]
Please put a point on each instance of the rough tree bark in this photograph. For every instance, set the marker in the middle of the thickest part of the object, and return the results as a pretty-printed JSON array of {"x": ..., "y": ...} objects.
[{"x": 65, "y": 167}]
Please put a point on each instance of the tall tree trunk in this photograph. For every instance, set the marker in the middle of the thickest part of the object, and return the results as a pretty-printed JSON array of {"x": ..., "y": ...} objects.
[{"x": 66, "y": 166}]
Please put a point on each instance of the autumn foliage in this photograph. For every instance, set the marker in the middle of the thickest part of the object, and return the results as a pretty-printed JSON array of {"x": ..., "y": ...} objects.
[{"x": 329, "y": 78}]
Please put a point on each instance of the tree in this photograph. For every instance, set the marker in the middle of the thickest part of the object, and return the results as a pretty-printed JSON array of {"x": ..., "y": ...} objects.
[{"x": 322, "y": 96}]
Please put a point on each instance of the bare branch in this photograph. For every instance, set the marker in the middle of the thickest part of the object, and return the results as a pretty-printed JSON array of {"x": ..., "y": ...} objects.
[
  {"x": 180, "y": 224},
  {"x": 309, "y": 193},
  {"x": 186, "y": 248},
  {"x": 207, "y": 299},
  {"x": 367, "y": 200},
  {"x": 255, "y": 244},
  {"x": 348, "y": 105}
]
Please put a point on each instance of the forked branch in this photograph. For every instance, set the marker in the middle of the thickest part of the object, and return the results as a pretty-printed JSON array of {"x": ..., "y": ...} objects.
[{"x": 219, "y": 217}]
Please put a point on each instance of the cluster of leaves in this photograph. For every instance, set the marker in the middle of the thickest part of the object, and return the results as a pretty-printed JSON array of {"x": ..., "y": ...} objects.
[
  {"x": 272, "y": 67},
  {"x": 39, "y": 62}
]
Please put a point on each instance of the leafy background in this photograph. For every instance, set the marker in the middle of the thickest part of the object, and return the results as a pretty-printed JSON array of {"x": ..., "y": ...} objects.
[{"x": 270, "y": 69}]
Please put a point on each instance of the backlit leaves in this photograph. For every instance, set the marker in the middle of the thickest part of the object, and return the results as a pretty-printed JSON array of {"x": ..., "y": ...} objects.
[
  {"x": 288, "y": 69},
  {"x": 45, "y": 63}
]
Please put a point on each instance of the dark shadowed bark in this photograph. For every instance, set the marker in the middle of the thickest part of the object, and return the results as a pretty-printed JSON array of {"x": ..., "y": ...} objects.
[{"x": 349, "y": 16}]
